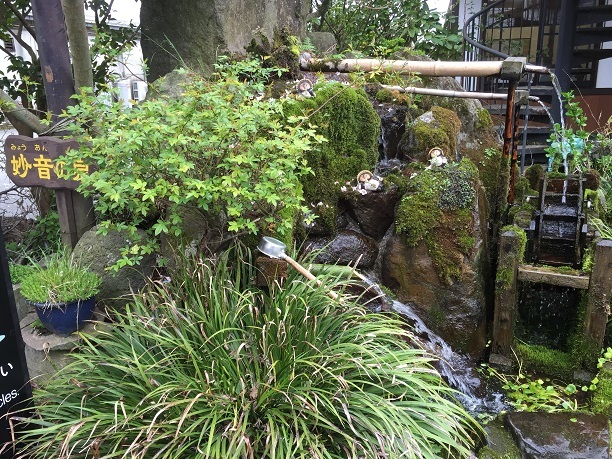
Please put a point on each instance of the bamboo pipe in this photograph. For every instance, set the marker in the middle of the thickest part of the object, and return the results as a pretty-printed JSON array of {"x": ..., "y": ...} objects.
[
  {"x": 427, "y": 68},
  {"x": 451, "y": 93}
]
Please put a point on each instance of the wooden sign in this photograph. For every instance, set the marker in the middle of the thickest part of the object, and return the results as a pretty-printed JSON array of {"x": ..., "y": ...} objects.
[
  {"x": 15, "y": 389},
  {"x": 37, "y": 162}
]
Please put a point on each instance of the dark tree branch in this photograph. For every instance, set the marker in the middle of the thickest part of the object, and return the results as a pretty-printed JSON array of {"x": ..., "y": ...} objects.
[{"x": 20, "y": 17}]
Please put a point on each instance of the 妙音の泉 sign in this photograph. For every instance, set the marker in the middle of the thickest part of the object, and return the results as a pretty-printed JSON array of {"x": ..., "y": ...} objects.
[{"x": 37, "y": 162}]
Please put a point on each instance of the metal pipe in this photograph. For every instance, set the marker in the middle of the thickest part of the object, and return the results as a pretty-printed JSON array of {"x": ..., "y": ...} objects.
[
  {"x": 509, "y": 132},
  {"x": 427, "y": 68}
]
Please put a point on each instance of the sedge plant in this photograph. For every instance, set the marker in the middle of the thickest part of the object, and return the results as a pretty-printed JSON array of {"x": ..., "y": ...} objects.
[{"x": 208, "y": 366}]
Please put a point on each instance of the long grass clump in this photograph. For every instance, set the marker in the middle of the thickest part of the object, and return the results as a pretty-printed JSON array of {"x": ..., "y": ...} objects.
[{"x": 208, "y": 366}]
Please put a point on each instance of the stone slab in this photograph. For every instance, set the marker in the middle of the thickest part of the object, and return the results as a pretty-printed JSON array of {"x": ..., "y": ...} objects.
[
  {"x": 47, "y": 353},
  {"x": 560, "y": 435}
]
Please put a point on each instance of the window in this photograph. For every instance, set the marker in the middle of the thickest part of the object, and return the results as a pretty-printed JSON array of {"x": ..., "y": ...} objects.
[
  {"x": 9, "y": 45},
  {"x": 135, "y": 90}
]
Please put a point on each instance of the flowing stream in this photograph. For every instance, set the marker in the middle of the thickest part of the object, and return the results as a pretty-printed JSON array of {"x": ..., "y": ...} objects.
[{"x": 458, "y": 370}]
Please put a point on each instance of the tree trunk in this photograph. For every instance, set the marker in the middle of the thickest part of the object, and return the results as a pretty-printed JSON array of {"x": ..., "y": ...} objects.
[{"x": 74, "y": 12}]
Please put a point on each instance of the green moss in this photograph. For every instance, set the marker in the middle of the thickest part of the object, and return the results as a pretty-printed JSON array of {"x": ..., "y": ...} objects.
[
  {"x": 483, "y": 119},
  {"x": 488, "y": 453},
  {"x": 399, "y": 180},
  {"x": 441, "y": 132},
  {"x": 493, "y": 170},
  {"x": 522, "y": 239},
  {"x": 549, "y": 362},
  {"x": 500, "y": 444},
  {"x": 437, "y": 208},
  {"x": 555, "y": 175},
  {"x": 587, "y": 260},
  {"x": 521, "y": 215},
  {"x": 584, "y": 350},
  {"x": 522, "y": 189},
  {"x": 385, "y": 95},
  {"x": 534, "y": 174},
  {"x": 436, "y": 317},
  {"x": 507, "y": 262},
  {"x": 601, "y": 403},
  {"x": 346, "y": 118}
]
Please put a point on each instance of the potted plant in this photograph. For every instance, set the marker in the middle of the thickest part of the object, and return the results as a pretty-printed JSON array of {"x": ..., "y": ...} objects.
[{"x": 63, "y": 293}]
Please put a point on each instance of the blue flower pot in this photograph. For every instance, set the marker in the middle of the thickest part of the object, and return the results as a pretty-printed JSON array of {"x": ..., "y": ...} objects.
[{"x": 65, "y": 318}]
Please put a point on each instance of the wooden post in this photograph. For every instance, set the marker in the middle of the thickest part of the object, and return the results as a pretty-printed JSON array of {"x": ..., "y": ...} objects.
[
  {"x": 504, "y": 315},
  {"x": 600, "y": 289},
  {"x": 75, "y": 211}
]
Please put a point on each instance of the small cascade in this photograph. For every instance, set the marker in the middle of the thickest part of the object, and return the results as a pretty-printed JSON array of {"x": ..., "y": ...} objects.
[
  {"x": 456, "y": 369},
  {"x": 392, "y": 128},
  {"x": 548, "y": 314},
  {"x": 547, "y": 111},
  {"x": 559, "y": 93}
]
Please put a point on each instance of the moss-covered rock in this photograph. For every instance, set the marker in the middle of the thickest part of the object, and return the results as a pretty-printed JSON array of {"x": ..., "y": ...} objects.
[
  {"x": 99, "y": 252},
  {"x": 438, "y": 209},
  {"x": 437, "y": 261},
  {"x": 346, "y": 118},
  {"x": 436, "y": 128},
  {"x": 544, "y": 361}
]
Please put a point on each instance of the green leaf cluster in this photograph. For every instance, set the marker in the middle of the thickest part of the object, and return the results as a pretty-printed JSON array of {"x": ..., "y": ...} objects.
[
  {"x": 221, "y": 146},
  {"x": 208, "y": 366},
  {"x": 529, "y": 393},
  {"x": 382, "y": 27}
]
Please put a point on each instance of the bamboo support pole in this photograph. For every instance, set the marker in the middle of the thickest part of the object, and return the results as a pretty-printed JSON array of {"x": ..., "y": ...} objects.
[
  {"x": 451, "y": 93},
  {"x": 427, "y": 68}
]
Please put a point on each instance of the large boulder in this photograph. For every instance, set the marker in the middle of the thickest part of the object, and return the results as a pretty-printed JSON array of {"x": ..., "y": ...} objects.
[
  {"x": 438, "y": 127},
  {"x": 451, "y": 300},
  {"x": 374, "y": 212},
  {"x": 456, "y": 312},
  {"x": 194, "y": 32},
  {"x": 100, "y": 252}
]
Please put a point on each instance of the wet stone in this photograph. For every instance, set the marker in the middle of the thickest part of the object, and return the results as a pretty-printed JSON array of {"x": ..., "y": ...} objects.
[
  {"x": 375, "y": 211},
  {"x": 556, "y": 436},
  {"x": 347, "y": 248}
]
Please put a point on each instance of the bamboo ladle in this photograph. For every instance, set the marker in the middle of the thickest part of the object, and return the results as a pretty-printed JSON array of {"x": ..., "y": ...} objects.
[{"x": 276, "y": 249}]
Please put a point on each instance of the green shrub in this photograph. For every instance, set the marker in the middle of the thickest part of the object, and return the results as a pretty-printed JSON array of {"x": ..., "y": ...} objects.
[
  {"x": 221, "y": 147},
  {"x": 205, "y": 366}
]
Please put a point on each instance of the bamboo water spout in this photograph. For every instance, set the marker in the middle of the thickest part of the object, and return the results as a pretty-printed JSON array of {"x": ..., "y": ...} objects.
[{"x": 428, "y": 68}]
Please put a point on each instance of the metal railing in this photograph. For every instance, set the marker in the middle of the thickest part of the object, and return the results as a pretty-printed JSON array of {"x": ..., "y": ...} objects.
[{"x": 502, "y": 29}]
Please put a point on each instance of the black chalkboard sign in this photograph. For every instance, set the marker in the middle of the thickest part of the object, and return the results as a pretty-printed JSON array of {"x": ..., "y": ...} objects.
[{"x": 15, "y": 389}]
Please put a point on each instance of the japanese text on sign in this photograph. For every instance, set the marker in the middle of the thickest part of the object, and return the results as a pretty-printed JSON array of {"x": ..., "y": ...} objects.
[{"x": 37, "y": 162}]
